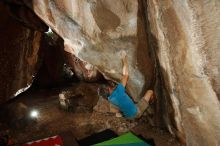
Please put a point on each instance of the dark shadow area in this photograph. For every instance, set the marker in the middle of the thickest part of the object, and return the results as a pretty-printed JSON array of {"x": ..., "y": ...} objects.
[
  {"x": 159, "y": 108},
  {"x": 145, "y": 60},
  {"x": 97, "y": 138},
  {"x": 22, "y": 11},
  {"x": 164, "y": 110},
  {"x": 149, "y": 141}
]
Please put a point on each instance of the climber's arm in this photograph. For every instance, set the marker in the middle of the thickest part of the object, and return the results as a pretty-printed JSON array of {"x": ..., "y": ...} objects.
[{"x": 125, "y": 68}]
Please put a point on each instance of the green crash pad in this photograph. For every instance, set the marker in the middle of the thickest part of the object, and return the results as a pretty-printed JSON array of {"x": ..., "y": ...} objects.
[{"x": 127, "y": 139}]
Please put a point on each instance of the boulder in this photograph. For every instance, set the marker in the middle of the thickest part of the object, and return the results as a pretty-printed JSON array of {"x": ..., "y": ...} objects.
[
  {"x": 95, "y": 31},
  {"x": 79, "y": 98},
  {"x": 18, "y": 55},
  {"x": 185, "y": 37}
]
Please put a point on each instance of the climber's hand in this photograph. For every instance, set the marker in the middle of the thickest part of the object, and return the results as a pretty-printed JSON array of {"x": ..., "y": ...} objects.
[{"x": 123, "y": 54}]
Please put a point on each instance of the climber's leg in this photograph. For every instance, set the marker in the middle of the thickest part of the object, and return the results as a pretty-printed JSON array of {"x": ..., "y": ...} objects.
[{"x": 143, "y": 103}]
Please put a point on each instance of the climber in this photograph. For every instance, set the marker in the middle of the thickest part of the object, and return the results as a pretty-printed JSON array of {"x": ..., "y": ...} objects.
[{"x": 117, "y": 96}]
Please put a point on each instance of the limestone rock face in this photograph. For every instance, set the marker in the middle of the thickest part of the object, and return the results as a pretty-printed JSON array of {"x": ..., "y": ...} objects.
[
  {"x": 97, "y": 30},
  {"x": 186, "y": 37},
  {"x": 18, "y": 55}
]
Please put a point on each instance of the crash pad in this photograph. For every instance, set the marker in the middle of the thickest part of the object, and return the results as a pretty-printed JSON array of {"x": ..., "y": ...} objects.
[
  {"x": 50, "y": 141},
  {"x": 128, "y": 139}
]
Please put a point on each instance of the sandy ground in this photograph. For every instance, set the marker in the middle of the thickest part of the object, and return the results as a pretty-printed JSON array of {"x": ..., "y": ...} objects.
[{"x": 83, "y": 122}]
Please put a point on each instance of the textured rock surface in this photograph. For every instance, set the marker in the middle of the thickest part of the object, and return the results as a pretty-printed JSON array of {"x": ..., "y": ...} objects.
[
  {"x": 84, "y": 71},
  {"x": 186, "y": 37},
  {"x": 18, "y": 55},
  {"x": 96, "y": 31}
]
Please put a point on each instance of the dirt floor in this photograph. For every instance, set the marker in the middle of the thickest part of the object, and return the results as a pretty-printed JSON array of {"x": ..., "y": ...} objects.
[{"x": 82, "y": 121}]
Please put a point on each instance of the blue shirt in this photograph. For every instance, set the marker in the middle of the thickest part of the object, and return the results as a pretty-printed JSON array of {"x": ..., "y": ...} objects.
[{"x": 120, "y": 99}]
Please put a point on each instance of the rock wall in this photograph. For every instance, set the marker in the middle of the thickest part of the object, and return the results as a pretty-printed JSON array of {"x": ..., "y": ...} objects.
[
  {"x": 186, "y": 37},
  {"x": 19, "y": 47},
  {"x": 96, "y": 31}
]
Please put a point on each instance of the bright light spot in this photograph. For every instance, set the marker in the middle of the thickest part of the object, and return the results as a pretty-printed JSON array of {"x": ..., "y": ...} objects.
[
  {"x": 34, "y": 114},
  {"x": 22, "y": 90},
  {"x": 49, "y": 30}
]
